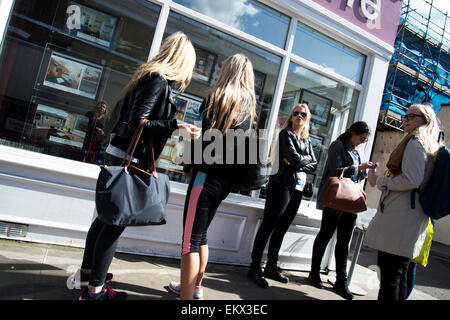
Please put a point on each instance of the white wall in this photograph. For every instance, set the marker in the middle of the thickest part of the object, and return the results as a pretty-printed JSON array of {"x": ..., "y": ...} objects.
[{"x": 54, "y": 197}]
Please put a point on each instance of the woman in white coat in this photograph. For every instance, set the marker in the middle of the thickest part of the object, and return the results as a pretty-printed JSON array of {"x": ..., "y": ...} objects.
[{"x": 399, "y": 227}]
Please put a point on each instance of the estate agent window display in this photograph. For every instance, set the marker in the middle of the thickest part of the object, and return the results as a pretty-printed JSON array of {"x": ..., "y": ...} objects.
[{"x": 55, "y": 69}]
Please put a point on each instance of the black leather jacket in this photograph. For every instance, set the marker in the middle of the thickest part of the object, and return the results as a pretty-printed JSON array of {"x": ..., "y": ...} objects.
[
  {"x": 150, "y": 99},
  {"x": 300, "y": 155}
]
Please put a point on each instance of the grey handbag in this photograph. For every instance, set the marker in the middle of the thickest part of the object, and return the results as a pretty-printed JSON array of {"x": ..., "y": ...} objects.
[{"x": 129, "y": 196}]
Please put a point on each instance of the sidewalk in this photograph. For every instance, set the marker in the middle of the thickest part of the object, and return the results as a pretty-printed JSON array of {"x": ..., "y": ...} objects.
[{"x": 30, "y": 271}]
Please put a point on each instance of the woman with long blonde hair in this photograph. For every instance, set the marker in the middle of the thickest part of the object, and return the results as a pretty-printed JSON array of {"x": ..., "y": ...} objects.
[
  {"x": 230, "y": 105},
  {"x": 147, "y": 96},
  {"x": 399, "y": 227},
  {"x": 232, "y": 99},
  {"x": 295, "y": 155}
]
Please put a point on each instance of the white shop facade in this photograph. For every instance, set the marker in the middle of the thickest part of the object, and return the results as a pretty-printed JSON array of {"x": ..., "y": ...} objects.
[{"x": 59, "y": 58}]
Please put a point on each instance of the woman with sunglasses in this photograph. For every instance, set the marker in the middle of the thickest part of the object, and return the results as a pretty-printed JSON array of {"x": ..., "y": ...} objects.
[
  {"x": 295, "y": 154},
  {"x": 399, "y": 227},
  {"x": 342, "y": 156}
]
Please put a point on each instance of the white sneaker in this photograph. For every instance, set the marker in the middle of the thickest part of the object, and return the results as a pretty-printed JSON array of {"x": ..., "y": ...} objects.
[{"x": 175, "y": 288}]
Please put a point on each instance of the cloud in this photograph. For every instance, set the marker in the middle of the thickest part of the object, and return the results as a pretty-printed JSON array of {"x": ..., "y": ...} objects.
[
  {"x": 229, "y": 12},
  {"x": 315, "y": 77}
]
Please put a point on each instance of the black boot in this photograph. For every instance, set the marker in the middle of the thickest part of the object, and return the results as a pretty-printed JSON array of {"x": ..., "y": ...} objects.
[
  {"x": 314, "y": 280},
  {"x": 256, "y": 275},
  {"x": 276, "y": 274},
  {"x": 341, "y": 288}
]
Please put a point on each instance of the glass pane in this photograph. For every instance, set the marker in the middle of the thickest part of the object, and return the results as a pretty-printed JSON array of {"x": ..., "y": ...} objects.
[
  {"x": 60, "y": 60},
  {"x": 212, "y": 48},
  {"x": 334, "y": 56},
  {"x": 246, "y": 15},
  {"x": 332, "y": 107}
]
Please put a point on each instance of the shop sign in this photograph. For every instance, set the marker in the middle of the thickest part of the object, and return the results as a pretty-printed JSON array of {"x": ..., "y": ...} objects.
[
  {"x": 378, "y": 17},
  {"x": 369, "y": 8}
]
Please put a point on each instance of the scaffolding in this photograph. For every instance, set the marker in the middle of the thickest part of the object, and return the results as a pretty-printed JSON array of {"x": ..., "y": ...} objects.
[{"x": 419, "y": 68}]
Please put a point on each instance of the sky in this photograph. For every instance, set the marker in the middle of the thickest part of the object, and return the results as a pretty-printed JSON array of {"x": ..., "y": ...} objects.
[{"x": 419, "y": 8}]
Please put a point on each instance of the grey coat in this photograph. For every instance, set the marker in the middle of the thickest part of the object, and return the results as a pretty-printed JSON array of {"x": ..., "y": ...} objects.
[
  {"x": 339, "y": 158},
  {"x": 399, "y": 229}
]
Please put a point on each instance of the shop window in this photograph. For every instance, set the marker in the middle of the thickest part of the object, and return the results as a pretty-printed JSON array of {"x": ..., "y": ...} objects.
[
  {"x": 62, "y": 60},
  {"x": 317, "y": 48},
  {"x": 212, "y": 48},
  {"x": 332, "y": 107},
  {"x": 249, "y": 16}
]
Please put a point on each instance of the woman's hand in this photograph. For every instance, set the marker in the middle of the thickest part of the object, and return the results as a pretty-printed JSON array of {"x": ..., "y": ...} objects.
[
  {"x": 189, "y": 131},
  {"x": 367, "y": 165},
  {"x": 372, "y": 177},
  {"x": 286, "y": 161}
]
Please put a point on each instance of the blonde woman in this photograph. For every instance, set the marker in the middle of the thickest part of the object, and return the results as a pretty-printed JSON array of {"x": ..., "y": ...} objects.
[
  {"x": 399, "y": 228},
  {"x": 147, "y": 96},
  {"x": 296, "y": 154},
  {"x": 230, "y": 105}
]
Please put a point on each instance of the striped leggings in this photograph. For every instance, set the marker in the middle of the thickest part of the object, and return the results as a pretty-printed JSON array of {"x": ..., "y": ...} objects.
[{"x": 204, "y": 195}]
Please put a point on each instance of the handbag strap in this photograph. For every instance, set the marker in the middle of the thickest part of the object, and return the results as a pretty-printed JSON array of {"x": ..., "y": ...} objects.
[
  {"x": 133, "y": 143},
  {"x": 132, "y": 148},
  {"x": 149, "y": 141}
]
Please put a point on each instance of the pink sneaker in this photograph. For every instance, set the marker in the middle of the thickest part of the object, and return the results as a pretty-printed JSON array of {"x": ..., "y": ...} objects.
[{"x": 175, "y": 288}]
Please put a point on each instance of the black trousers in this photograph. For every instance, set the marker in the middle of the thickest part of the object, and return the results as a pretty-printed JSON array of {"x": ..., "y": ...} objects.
[
  {"x": 280, "y": 210},
  {"x": 394, "y": 277},
  {"x": 101, "y": 243},
  {"x": 344, "y": 222}
]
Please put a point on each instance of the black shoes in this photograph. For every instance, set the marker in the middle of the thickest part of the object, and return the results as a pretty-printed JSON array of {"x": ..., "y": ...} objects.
[
  {"x": 275, "y": 274},
  {"x": 341, "y": 289},
  {"x": 257, "y": 277},
  {"x": 315, "y": 281}
]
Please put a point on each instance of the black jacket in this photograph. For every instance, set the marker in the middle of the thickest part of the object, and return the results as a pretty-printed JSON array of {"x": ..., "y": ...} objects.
[
  {"x": 299, "y": 153},
  {"x": 150, "y": 99},
  {"x": 234, "y": 163}
]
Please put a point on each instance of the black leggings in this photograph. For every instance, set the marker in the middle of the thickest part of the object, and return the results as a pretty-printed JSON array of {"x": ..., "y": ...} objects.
[
  {"x": 280, "y": 210},
  {"x": 205, "y": 193},
  {"x": 344, "y": 222},
  {"x": 101, "y": 243}
]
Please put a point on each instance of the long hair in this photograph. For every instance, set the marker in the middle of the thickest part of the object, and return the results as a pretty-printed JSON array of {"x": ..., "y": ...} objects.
[
  {"x": 358, "y": 128},
  {"x": 303, "y": 131},
  {"x": 174, "y": 61},
  {"x": 428, "y": 133},
  {"x": 232, "y": 99}
]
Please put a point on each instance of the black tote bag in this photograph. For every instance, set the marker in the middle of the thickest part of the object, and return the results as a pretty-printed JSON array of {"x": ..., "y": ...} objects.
[{"x": 129, "y": 196}]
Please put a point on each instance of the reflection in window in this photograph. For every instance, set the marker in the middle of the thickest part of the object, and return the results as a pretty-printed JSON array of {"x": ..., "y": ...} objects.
[
  {"x": 332, "y": 106},
  {"x": 334, "y": 56},
  {"x": 212, "y": 48},
  {"x": 246, "y": 15},
  {"x": 54, "y": 73}
]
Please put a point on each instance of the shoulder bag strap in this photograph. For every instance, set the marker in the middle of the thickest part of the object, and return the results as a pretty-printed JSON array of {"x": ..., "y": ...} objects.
[{"x": 133, "y": 143}]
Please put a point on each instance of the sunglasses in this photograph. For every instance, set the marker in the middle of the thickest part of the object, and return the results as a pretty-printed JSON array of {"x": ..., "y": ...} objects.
[
  {"x": 296, "y": 113},
  {"x": 412, "y": 116}
]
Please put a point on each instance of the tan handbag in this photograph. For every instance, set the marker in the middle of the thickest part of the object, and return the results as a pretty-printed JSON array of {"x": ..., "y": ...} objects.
[{"x": 344, "y": 194}]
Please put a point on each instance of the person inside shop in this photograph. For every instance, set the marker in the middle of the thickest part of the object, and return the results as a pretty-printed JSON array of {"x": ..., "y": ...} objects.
[
  {"x": 230, "y": 105},
  {"x": 398, "y": 229},
  {"x": 342, "y": 156},
  {"x": 296, "y": 159},
  {"x": 147, "y": 96},
  {"x": 96, "y": 130}
]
